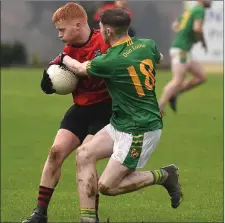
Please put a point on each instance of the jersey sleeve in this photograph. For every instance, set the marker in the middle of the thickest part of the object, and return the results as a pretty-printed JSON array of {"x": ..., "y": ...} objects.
[
  {"x": 155, "y": 50},
  {"x": 157, "y": 54},
  {"x": 199, "y": 14},
  {"x": 100, "y": 67}
]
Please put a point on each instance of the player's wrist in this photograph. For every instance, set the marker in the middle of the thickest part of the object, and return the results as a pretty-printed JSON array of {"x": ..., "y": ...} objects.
[
  {"x": 65, "y": 60},
  {"x": 62, "y": 56}
]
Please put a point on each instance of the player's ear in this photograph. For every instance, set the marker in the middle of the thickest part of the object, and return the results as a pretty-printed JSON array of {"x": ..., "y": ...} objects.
[
  {"x": 108, "y": 31},
  {"x": 78, "y": 25}
]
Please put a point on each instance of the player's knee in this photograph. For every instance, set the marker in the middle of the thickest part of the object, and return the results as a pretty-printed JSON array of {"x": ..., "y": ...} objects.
[
  {"x": 103, "y": 189},
  {"x": 55, "y": 155},
  {"x": 173, "y": 85},
  {"x": 83, "y": 155},
  {"x": 177, "y": 84},
  {"x": 203, "y": 78}
]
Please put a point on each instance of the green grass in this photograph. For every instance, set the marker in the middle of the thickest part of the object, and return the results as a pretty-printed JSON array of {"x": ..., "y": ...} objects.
[{"x": 193, "y": 139}]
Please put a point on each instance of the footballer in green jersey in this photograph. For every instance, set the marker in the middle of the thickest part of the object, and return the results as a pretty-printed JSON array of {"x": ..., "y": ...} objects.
[
  {"x": 189, "y": 30},
  {"x": 129, "y": 70},
  {"x": 185, "y": 36}
]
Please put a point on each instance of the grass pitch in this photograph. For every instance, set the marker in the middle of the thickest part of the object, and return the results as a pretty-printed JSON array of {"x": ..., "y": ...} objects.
[{"x": 192, "y": 139}]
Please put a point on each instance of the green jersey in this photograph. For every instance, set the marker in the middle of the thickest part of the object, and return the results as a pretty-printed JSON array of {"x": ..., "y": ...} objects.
[
  {"x": 128, "y": 68},
  {"x": 185, "y": 37}
]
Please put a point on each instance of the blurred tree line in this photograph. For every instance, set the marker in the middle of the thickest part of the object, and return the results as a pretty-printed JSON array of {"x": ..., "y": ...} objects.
[{"x": 13, "y": 54}]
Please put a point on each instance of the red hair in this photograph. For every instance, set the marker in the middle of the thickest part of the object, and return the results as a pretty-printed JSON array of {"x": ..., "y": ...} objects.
[{"x": 69, "y": 11}]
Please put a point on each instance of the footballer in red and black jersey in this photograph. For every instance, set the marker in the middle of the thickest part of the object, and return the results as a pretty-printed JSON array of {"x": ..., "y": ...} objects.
[{"x": 90, "y": 90}]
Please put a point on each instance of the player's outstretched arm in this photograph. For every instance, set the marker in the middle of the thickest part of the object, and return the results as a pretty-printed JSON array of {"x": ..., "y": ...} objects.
[
  {"x": 75, "y": 66},
  {"x": 198, "y": 29},
  {"x": 175, "y": 26},
  {"x": 161, "y": 58}
]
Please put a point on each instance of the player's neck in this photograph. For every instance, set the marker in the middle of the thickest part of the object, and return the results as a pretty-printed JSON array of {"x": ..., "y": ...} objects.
[
  {"x": 118, "y": 5},
  {"x": 84, "y": 35},
  {"x": 118, "y": 39},
  {"x": 201, "y": 3}
]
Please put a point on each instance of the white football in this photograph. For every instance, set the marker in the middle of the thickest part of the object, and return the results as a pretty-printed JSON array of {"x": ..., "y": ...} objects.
[{"x": 63, "y": 80}]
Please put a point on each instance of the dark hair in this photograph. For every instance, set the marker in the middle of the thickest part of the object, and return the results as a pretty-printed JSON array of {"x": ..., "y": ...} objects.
[{"x": 118, "y": 18}]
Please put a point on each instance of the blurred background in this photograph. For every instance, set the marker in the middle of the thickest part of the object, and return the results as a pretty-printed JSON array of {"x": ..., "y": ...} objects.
[{"x": 27, "y": 28}]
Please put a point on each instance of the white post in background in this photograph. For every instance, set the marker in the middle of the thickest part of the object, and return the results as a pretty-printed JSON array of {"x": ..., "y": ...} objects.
[{"x": 213, "y": 31}]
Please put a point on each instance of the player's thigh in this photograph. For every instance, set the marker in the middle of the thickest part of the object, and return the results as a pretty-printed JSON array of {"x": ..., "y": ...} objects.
[
  {"x": 76, "y": 121},
  {"x": 88, "y": 138},
  {"x": 64, "y": 143},
  {"x": 99, "y": 147},
  {"x": 100, "y": 117},
  {"x": 179, "y": 64},
  {"x": 196, "y": 69},
  {"x": 112, "y": 175}
]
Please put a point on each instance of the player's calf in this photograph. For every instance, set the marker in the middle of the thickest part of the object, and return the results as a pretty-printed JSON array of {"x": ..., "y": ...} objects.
[
  {"x": 199, "y": 76},
  {"x": 173, "y": 103},
  {"x": 192, "y": 83},
  {"x": 171, "y": 89},
  {"x": 87, "y": 184}
]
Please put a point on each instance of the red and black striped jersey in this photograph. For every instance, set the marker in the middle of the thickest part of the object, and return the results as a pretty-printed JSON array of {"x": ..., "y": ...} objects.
[{"x": 90, "y": 90}]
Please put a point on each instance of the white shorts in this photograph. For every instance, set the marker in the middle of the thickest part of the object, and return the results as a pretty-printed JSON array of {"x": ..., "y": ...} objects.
[
  {"x": 133, "y": 150},
  {"x": 178, "y": 56}
]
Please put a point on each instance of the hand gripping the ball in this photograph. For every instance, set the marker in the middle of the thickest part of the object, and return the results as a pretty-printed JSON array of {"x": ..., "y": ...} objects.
[
  {"x": 46, "y": 84},
  {"x": 58, "y": 60}
]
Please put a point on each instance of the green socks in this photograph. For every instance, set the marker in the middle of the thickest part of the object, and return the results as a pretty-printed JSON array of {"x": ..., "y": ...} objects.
[
  {"x": 87, "y": 213},
  {"x": 159, "y": 176}
]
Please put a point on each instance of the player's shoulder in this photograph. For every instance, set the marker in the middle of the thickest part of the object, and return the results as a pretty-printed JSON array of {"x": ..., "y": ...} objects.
[
  {"x": 107, "y": 59},
  {"x": 146, "y": 41},
  {"x": 103, "y": 62},
  {"x": 197, "y": 8},
  {"x": 104, "y": 58}
]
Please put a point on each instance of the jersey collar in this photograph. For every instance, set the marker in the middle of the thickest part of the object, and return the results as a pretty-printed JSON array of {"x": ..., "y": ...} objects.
[{"x": 125, "y": 39}]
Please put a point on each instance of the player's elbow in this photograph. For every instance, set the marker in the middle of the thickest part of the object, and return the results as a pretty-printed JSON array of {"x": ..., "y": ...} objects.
[
  {"x": 175, "y": 26},
  {"x": 197, "y": 29},
  {"x": 160, "y": 59}
]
